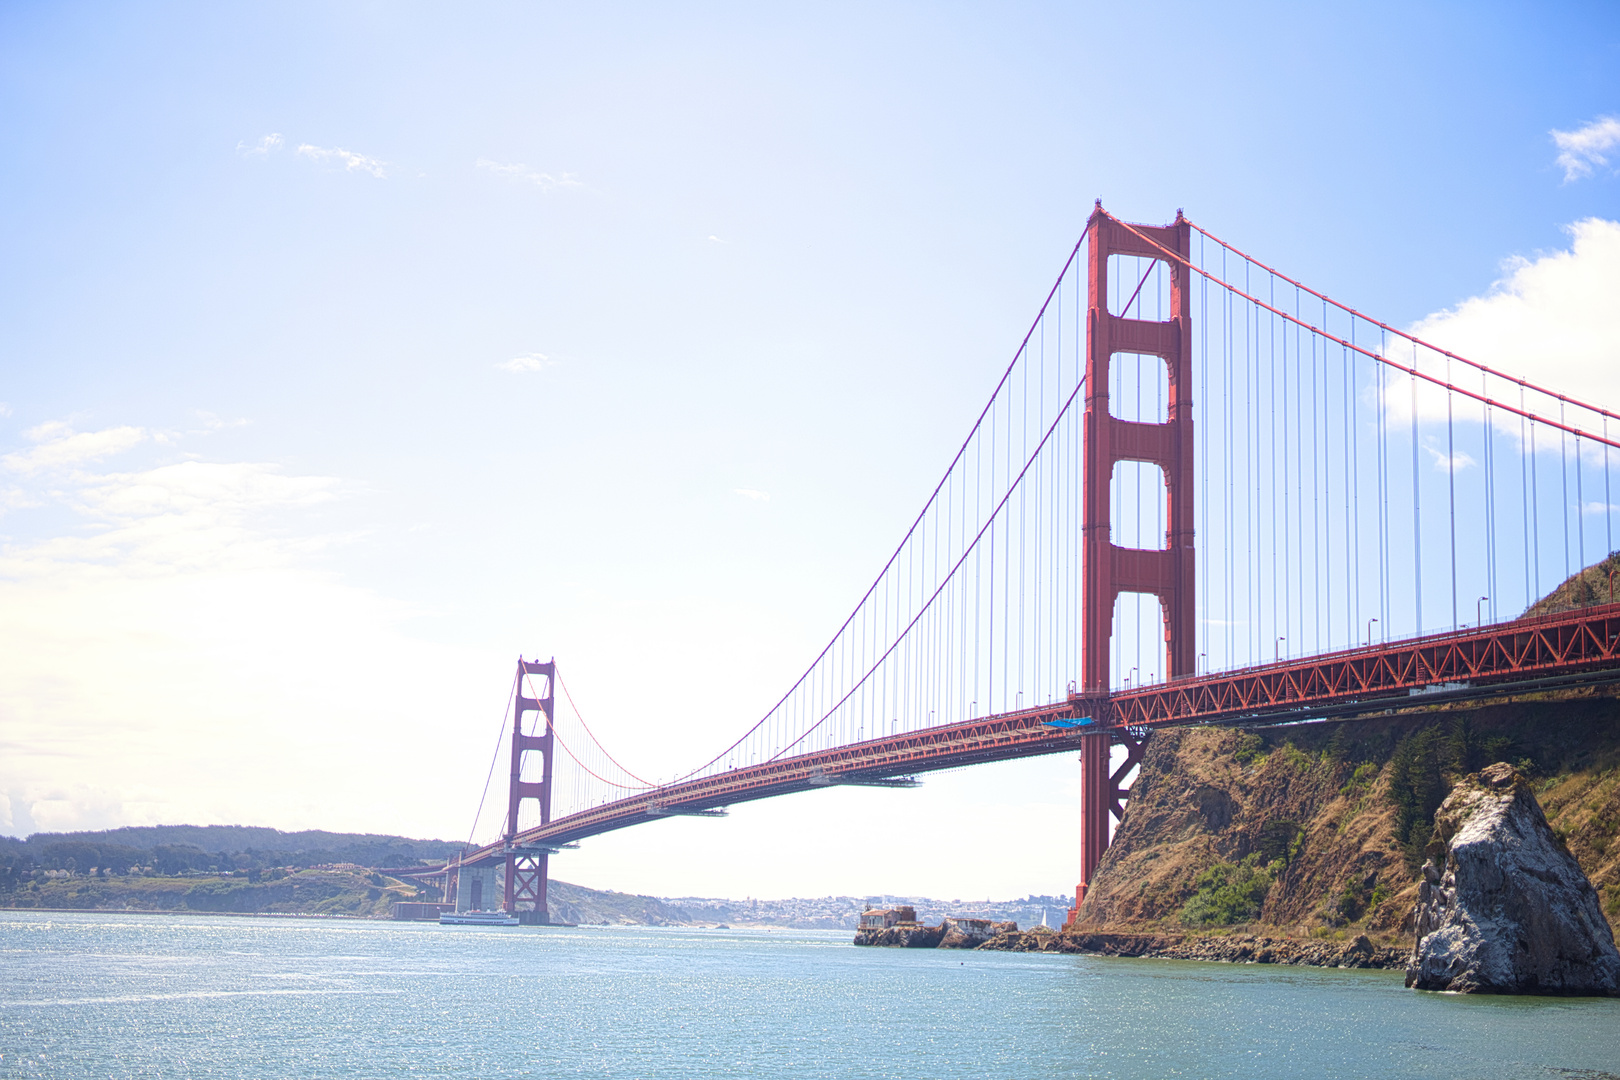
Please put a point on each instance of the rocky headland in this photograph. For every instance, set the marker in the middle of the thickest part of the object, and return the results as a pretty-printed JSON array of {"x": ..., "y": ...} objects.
[
  {"x": 1503, "y": 907},
  {"x": 1305, "y": 844},
  {"x": 951, "y": 933}
]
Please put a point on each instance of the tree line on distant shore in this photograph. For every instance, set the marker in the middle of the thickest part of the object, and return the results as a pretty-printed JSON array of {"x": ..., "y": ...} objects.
[{"x": 173, "y": 850}]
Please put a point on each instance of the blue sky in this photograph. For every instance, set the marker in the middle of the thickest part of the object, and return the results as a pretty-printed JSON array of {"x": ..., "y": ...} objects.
[{"x": 348, "y": 350}]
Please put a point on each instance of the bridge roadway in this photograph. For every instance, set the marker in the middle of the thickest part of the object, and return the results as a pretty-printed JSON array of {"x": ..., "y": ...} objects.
[{"x": 1551, "y": 652}]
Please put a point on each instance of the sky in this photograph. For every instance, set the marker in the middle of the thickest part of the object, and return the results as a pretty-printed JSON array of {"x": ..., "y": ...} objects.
[{"x": 350, "y": 350}]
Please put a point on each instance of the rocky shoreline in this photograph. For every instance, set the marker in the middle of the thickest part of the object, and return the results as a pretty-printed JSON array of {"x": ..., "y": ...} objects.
[
  {"x": 949, "y": 934},
  {"x": 1359, "y": 952}
]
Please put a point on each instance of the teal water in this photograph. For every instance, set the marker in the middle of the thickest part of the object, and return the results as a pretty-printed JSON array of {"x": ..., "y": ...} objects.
[{"x": 154, "y": 996}]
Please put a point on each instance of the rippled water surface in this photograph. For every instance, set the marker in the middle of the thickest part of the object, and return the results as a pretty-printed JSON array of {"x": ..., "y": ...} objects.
[{"x": 154, "y": 996}]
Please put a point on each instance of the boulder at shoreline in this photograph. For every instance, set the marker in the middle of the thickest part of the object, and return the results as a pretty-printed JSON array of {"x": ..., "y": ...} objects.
[{"x": 1506, "y": 909}]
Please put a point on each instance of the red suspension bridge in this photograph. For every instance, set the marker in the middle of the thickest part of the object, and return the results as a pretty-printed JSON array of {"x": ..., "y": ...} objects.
[{"x": 1349, "y": 523}]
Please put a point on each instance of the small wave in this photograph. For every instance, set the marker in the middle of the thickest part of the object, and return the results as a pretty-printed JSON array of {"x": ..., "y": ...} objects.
[{"x": 130, "y": 999}]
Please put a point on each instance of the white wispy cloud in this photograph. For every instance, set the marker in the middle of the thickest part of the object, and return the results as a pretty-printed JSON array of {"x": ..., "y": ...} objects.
[
  {"x": 542, "y": 180},
  {"x": 187, "y": 516},
  {"x": 751, "y": 493},
  {"x": 1579, "y": 151},
  {"x": 518, "y": 365},
  {"x": 261, "y": 148},
  {"x": 1547, "y": 319},
  {"x": 58, "y": 446},
  {"x": 1454, "y": 462},
  {"x": 717, "y": 240},
  {"x": 352, "y": 161},
  {"x": 5, "y": 410},
  {"x": 190, "y": 585}
]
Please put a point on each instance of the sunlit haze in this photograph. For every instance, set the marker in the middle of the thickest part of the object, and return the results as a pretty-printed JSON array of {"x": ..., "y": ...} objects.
[{"x": 349, "y": 351}]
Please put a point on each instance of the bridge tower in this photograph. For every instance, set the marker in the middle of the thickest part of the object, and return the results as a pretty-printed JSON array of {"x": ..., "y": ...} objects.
[
  {"x": 526, "y": 867},
  {"x": 1108, "y": 570}
]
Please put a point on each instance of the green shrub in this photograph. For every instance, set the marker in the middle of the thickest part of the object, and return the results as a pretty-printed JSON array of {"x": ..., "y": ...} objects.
[
  {"x": 1295, "y": 758},
  {"x": 1229, "y": 893},
  {"x": 1360, "y": 780},
  {"x": 1337, "y": 749},
  {"x": 1280, "y": 842},
  {"x": 1249, "y": 747},
  {"x": 1423, "y": 769},
  {"x": 1417, "y": 786}
]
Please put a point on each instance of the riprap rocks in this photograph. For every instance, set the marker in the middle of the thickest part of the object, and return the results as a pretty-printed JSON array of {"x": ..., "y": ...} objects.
[{"x": 1508, "y": 910}]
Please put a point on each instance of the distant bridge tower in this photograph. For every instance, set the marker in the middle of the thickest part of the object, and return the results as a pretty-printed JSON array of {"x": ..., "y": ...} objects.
[
  {"x": 526, "y": 866},
  {"x": 1106, "y": 569}
]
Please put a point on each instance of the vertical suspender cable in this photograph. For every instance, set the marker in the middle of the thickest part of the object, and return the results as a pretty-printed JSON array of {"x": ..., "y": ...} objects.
[
  {"x": 1563, "y": 479},
  {"x": 1202, "y": 419},
  {"x": 1383, "y": 486},
  {"x": 1580, "y": 504},
  {"x": 1490, "y": 501},
  {"x": 1352, "y": 488},
  {"x": 1535, "y": 510},
  {"x": 1320, "y": 489},
  {"x": 1451, "y": 495},
  {"x": 1608, "y": 505},
  {"x": 1524, "y": 501},
  {"x": 1417, "y": 508},
  {"x": 1276, "y": 452}
]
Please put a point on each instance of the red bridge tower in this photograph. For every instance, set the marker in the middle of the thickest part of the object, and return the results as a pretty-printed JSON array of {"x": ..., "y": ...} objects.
[
  {"x": 526, "y": 867},
  {"x": 1107, "y": 569}
]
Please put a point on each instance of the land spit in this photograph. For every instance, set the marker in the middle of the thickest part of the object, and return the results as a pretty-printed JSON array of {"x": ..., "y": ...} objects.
[{"x": 1358, "y": 952}]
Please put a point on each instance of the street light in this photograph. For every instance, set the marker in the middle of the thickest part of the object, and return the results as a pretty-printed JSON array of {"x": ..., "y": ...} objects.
[
  {"x": 1279, "y": 649},
  {"x": 1478, "y": 619},
  {"x": 1369, "y": 628}
]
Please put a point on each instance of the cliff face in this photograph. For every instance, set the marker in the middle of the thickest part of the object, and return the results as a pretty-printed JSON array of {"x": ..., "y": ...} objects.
[
  {"x": 1284, "y": 823},
  {"x": 1320, "y": 829}
]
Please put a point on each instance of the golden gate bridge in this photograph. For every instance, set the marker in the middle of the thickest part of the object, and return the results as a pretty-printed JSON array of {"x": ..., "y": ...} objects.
[{"x": 1201, "y": 492}]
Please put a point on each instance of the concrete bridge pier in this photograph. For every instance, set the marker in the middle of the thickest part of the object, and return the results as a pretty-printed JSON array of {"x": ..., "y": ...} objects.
[{"x": 476, "y": 888}]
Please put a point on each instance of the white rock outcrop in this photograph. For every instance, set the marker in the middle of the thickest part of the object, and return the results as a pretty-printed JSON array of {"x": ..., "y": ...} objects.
[{"x": 1509, "y": 911}]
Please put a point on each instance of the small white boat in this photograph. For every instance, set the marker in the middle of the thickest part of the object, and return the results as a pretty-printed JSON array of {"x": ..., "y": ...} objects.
[{"x": 477, "y": 918}]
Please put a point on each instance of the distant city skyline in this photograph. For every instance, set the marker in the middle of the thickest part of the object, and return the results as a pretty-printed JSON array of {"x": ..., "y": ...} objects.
[{"x": 348, "y": 351}]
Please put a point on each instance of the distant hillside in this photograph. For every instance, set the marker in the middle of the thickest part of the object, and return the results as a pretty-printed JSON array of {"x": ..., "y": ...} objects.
[
  {"x": 174, "y": 849},
  {"x": 351, "y": 893},
  {"x": 1585, "y": 588},
  {"x": 593, "y": 907}
]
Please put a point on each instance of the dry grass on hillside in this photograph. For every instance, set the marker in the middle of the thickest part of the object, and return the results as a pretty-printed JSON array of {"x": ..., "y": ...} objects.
[{"x": 1295, "y": 831}]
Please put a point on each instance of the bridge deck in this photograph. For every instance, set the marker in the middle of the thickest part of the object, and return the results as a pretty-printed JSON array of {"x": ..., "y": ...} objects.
[{"x": 1573, "y": 648}]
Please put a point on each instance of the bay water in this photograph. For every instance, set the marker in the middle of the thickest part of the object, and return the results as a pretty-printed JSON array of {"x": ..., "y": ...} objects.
[{"x": 89, "y": 995}]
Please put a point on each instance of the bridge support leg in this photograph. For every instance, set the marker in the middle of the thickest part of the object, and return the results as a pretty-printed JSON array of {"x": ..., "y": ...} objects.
[
  {"x": 1100, "y": 796},
  {"x": 1107, "y": 570},
  {"x": 1095, "y": 790},
  {"x": 526, "y": 886}
]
